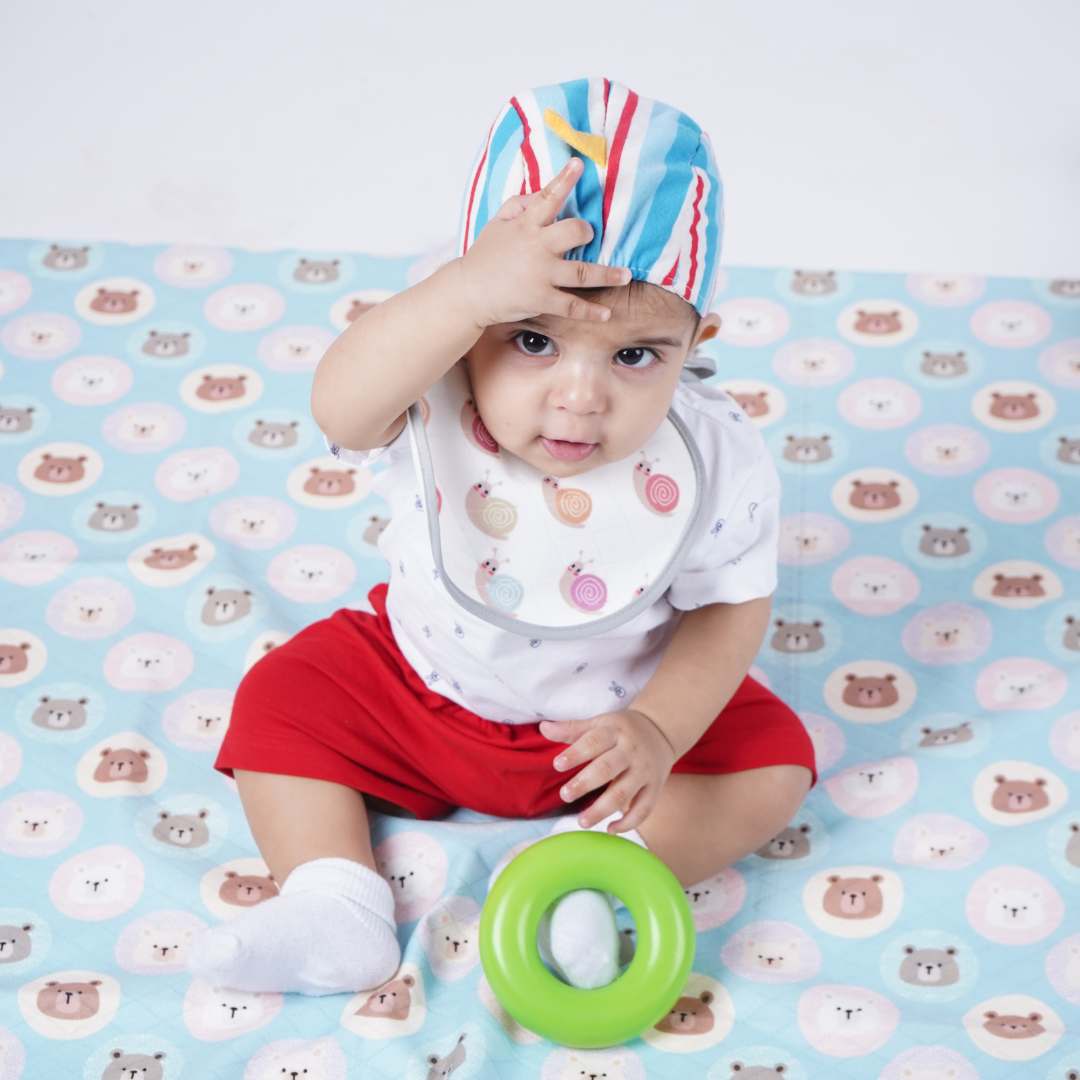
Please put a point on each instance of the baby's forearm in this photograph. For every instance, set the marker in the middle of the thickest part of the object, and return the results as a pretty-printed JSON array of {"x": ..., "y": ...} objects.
[
  {"x": 394, "y": 352},
  {"x": 703, "y": 665}
]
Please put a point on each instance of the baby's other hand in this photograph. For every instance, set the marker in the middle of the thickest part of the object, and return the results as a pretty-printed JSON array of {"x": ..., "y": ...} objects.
[{"x": 628, "y": 752}]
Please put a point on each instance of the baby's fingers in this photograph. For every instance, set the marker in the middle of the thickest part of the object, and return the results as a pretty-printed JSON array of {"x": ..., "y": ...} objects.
[
  {"x": 639, "y": 809},
  {"x": 617, "y": 796},
  {"x": 573, "y": 307},
  {"x": 599, "y": 771},
  {"x": 574, "y": 274},
  {"x": 549, "y": 199}
]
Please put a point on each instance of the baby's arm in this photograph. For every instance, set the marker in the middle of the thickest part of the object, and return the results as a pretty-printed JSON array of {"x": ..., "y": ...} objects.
[
  {"x": 703, "y": 665},
  {"x": 376, "y": 368}
]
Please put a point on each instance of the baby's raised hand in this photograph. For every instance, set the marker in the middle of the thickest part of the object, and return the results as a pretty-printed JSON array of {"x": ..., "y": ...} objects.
[
  {"x": 628, "y": 752},
  {"x": 515, "y": 267}
]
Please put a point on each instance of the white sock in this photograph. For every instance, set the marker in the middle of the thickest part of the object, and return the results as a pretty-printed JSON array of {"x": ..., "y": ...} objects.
[
  {"x": 577, "y": 936},
  {"x": 331, "y": 930}
]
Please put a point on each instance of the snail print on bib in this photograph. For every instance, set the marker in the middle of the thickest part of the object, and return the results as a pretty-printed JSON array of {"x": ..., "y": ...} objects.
[{"x": 542, "y": 556}]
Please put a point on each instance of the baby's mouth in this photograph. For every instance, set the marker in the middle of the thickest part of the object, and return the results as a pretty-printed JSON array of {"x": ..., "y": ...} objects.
[{"x": 563, "y": 450}]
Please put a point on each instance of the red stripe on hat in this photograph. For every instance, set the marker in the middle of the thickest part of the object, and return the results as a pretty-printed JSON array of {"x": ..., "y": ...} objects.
[
  {"x": 694, "y": 239},
  {"x": 532, "y": 168},
  {"x": 472, "y": 190},
  {"x": 669, "y": 277},
  {"x": 617, "y": 144}
]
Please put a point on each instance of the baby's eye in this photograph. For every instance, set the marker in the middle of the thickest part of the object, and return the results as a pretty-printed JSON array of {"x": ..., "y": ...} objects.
[
  {"x": 636, "y": 364},
  {"x": 533, "y": 338},
  {"x": 536, "y": 343}
]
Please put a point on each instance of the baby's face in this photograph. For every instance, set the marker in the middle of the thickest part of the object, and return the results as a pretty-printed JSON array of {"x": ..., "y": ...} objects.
[{"x": 607, "y": 383}]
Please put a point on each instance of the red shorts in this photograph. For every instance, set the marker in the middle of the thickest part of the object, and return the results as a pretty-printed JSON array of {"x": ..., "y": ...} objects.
[{"x": 338, "y": 701}]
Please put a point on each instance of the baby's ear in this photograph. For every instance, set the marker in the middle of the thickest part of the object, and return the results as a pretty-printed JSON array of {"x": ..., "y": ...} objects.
[{"x": 708, "y": 328}]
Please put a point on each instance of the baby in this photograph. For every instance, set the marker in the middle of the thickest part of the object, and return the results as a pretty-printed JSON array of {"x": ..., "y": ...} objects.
[{"x": 536, "y": 399}]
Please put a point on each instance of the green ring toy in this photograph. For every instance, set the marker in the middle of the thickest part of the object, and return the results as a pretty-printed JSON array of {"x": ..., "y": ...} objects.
[{"x": 536, "y": 998}]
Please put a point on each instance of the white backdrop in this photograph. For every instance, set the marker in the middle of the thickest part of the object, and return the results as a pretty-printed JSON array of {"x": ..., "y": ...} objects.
[{"x": 927, "y": 135}]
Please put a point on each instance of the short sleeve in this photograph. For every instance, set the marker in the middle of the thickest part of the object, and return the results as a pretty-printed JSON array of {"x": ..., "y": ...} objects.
[
  {"x": 736, "y": 557},
  {"x": 367, "y": 457}
]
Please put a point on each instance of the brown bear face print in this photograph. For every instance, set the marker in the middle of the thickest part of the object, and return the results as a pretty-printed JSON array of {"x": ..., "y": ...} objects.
[
  {"x": 122, "y": 764},
  {"x": 689, "y": 1016},
  {"x": 13, "y": 658},
  {"x": 247, "y": 890},
  {"x": 1012, "y": 1026},
  {"x": 854, "y": 897},
  {"x": 1018, "y": 586},
  {"x": 356, "y": 309},
  {"x": 874, "y": 496},
  {"x": 69, "y": 1000},
  {"x": 114, "y": 302},
  {"x": 331, "y": 482},
  {"x": 1014, "y": 406},
  {"x": 753, "y": 404},
  {"x": 878, "y": 323},
  {"x": 60, "y": 470},
  {"x": 869, "y": 691},
  {"x": 171, "y": 558},
  {"x": 1019, "y": 796},
  {"x": 221, "y": 387},
  {"x": 391, "y": 1001}
]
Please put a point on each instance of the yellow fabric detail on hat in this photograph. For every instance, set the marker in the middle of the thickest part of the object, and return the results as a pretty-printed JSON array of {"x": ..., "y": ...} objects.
[{"x": 592, "y": 146}]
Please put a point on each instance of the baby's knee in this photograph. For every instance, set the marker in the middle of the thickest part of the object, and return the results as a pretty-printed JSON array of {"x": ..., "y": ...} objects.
[
  {"x": 793, "y": 784},
  {"x": 785, "y": 788}
]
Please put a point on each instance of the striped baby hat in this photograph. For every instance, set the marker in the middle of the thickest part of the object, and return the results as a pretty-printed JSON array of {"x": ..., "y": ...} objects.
[{"x": 649, "y": 187}]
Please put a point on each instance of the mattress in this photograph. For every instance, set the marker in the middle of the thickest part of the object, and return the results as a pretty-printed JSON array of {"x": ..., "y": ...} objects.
[{"x": 917, "y": 918}]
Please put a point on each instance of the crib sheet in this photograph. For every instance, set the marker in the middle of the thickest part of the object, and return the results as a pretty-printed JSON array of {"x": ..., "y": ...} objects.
[{"x": 168, "y": 513}]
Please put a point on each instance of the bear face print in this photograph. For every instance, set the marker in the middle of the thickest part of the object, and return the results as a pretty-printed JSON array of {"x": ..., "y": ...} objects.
[
  {"x": 59, "y": 714},
  {"x": 14, "y": 658},
  {"x": 944, "y": 366},
  {"x": 92, "y": 380},
  {"x": 221, "y": 387},
  {"x": 813, "y": 282},
  {"x": 114, "y": 301},
  {"x": 317, "y": 271},
  {"x": 246, "y": 890},
  {"x": 273, "y": 436},
  {"x": 182, "y": 830},
  {"x": 113, "y": 517},
  {"x": 253, "y": 521},
  {"x": 60, "y": 470},
  {"x": 65, "y": 257},
  {"x": 223, "y": 606},
  {"x": 148, "y": 661},
  {"x": 15, "y": 420},
  {"x": 166, "y": 346},
  {"x": 807, "y": 449},
  {"x": 940, "y": 543},
  {"x": 929, "y": 967},
  {"x": 196, "y": 474}
]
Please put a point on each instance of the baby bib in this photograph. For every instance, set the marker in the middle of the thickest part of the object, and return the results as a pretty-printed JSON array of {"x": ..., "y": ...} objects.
[{"x": 541, "y": 556}]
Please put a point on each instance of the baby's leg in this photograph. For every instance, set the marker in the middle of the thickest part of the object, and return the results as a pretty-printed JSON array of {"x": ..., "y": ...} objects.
[
  {"x": 331, "y": 929},
  {"x": 705, "y": 822},
  {"x": 295, "y": 819}
]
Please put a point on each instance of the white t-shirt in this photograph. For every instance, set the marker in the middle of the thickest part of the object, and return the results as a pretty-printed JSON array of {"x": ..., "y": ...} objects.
[{"x": 507, "y": 677}]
